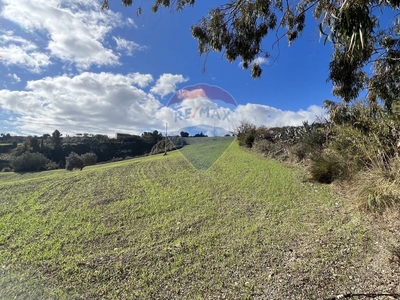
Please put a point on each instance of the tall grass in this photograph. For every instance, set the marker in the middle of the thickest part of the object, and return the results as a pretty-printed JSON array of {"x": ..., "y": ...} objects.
[{"x": 378, "y": 187}]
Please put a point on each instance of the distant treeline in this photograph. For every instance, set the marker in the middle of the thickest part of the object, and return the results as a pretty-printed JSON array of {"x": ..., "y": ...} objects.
[{"x": 56, "y": 148}]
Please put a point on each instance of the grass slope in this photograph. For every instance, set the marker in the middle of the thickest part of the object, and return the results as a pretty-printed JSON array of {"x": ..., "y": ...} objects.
[
  {"x": 203, "y": 152},
  {"x": 156, "y": 228}
]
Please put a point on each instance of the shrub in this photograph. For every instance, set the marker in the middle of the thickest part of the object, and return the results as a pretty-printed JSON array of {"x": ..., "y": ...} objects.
[
  {"x": 300, "y": 151},
  {"x": 19, "y": 150},
  {"x": 249, "y": 139},
  {"x": 116, "y": 159},
  {"x": 328, "y": 167},
  {"x": 89, "y": 159},
  {"x": 313, "y": 140},
  {"x": 246, "y": 134},
  {"x": 276, "y": 150},
  {"x": 28, "y": 162},
  {"x": 7, "y": 169},
  {"x": 51, "y": 165},
  {"x": 74, "y": 161},
  {"x": 378, "y": 187}
]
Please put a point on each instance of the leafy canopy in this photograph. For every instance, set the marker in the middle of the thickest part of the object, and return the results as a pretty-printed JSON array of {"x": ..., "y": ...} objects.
[{"x": 239, "y": 27}]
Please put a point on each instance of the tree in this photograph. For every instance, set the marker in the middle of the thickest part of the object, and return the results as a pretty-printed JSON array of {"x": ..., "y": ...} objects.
[
  {"x": 74, "y": 161},
  {"x": 56, "y": 139},
  {"x": 89, "y": 159},
  {"x": 101, "y": 138},
  {"x": 32, "y": 144},
  {"x": 152, "y": 137},
  {"x": 201, "y": 134},
  {"x": 184, "y": 134},
  {"x": 239, "y": 28},
  {"x": 28, "y": 162}
]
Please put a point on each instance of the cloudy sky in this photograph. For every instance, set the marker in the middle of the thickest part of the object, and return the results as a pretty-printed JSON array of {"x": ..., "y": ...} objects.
[{"x": 67, "y": 65}]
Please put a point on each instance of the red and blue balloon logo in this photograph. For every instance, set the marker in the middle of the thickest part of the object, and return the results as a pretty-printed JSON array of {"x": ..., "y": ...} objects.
[{"x": 203, "y": 105}]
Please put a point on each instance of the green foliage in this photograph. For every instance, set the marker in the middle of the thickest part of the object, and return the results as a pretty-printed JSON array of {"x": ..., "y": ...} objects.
[
  {"x": 101, "y": 138},
  {"x": 249, "y": 139},
  {"x": 328, "y": 167},
  {"x": 246, "y": 133},
  {"x": 272, "y": 149},
  {"x": 184, "y": 134},
  {"x": 310, "y": 143},
  {"x": 7, "y": 169},
  {"x": 89, "y": 159},
  {"x": 20, "y": 149},
  {"x": 152, "y": 137},
  {"x": 363, "y": 132},
  {"x": 201, "y": 134},
  {"x": 51, "y": 165},
  {"x": 56, "y": 139},
  {"x": 173, "y": 143},
  {"x": 367, "y": 137},
  {"x": 6, "y": 147},
  {"x": 32, "y": 144},
  {"x": 73, "y": 161},
  {"x": 378, "y": 188},
  {"x": 239, "y": 28},
  {"x": 29, "y": 162}
]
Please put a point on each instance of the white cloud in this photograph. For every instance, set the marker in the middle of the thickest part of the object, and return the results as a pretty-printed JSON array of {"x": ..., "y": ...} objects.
[
  {"x": 75, "y": 33},
  {"x": 15, "y": 50},
  {"x": 108, "y": 103},
  {"x": 141, "y": 80},
  {"x": 127, "y": 46},
  {"x": 166, "y": 84},
  {"x": 131, "y": 22},
  {"x": 259, "y": 114},
  {"x": 15, "y": 77},
  {"x": 91, "y": 102},
  {"x": 258, "y": 60}
]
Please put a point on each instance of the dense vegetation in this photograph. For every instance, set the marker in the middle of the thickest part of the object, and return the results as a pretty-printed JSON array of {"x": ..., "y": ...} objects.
[
  {"x": 359, "y": 146},
  {"x": 33, "y": 153}
]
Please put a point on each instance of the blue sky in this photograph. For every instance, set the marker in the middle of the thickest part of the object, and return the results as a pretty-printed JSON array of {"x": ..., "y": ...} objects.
[{"x": 66, "y": 65}]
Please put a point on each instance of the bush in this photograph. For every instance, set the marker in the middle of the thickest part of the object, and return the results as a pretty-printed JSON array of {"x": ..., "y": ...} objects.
[
  {"x": 246, "y": 134},
  {"x": 378, "y": 187},
  {"x": 7, "y": 169},
  {"x": 19, "y": 150},
  {"x": 275, "y": 150},
  {"x": 249, "y": 139},
  {"x": 312, "y": 142},
  {"x": 328, "y": 167},
  {"x": 116, "y": 159},
  {"x": 51, "y": 165},
  {"x": 89, "y": 159},
  {"x": 74, "y": 161},
  {"x": 29, "y": 162}
]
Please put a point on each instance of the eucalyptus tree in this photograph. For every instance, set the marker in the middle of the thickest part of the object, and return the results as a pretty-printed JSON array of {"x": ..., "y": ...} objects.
[{"x": 239, "y": 29}]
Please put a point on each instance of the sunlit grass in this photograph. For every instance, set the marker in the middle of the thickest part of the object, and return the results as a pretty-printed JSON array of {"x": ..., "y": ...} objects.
[
  {"x": 203, "y": 152},
  {"x": 156, "y": 227}
]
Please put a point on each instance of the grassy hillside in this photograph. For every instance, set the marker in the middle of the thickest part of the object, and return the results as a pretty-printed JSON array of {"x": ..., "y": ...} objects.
[
  {"x": 203, "y": 152},
  {"x": 157, "y": 228}
]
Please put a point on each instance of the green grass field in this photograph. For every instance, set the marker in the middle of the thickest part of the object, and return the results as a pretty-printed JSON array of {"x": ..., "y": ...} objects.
[
  {"x": 157, "y": 228},
  {"x": 203, "y": 152}
]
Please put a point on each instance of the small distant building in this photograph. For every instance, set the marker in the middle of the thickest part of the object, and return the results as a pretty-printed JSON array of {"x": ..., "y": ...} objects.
[
  {"x": 124, "y": 136},
  {"x": 121, "y": 136}
]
